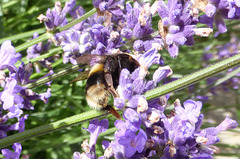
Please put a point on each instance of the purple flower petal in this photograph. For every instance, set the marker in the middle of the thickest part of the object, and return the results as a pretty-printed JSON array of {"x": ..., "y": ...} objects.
[
  {"x": 210, "y": 10},
  {"x": 95, "y": 128},
  {"x": 9, "y": 154},
  {"x": 161, "y": 73},
  {"x": 119, "y": 103},
  {"x": 228, "y": 123},
  {"x": 222, "y": 28},
  {"x": 8, "y": 55},
  {"x": 173, "y": 50}
]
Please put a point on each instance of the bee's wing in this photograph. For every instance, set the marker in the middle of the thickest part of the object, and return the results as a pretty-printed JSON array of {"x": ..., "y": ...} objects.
[
  {"x": 82, "y": 76},
  {"x": 91, "y": 60}
]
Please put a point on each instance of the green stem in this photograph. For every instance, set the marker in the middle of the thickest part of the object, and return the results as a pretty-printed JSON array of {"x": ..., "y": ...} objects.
[
  {"x": 23, "y": 35},
  {"x": 76, "y": 21},
  {"x": 48, "y": 35},
  {"x": 66, "y": 142},
  {"x": 225, "y": 78},
  {"x": 216, "y": 83},
  {"x": 33, "y": 42},
  {"x": 54, "y": 76},
  {"x": 41, "y": 130},
  {"x": 46, "y": 55},
  {"x": 194, "y": 77}
]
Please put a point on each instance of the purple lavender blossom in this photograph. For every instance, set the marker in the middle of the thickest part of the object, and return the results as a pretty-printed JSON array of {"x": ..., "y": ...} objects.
[
  {"x": 77, "y": 12},
  {"x": 57, "y": 16},
  {"x": 70, "y": 45},
  {"x": 139, "y": 19},
  {"x": 114, "y": 6},
  {"x": 91, "y": 37},
  {"x": 133, "y": 142},
  {"x": 207, "y": 137},
  {"x": 234, "y": 10},
  {"x": 133, "y": 119},
  {"x": 218, "y": 10},
  {"x": 182, "y": 133},
  {"x": 20, "y": 125},
  {"x": 95, "y": 128},
  {"x": 36, "y": 50},
  {"x": 171, "y": 136},
  {"x": 10, "y": 98},
  {"x": 138, "y": 25},
  {"x": 16, "y": 97},
  {"x": 76, "y": 155},
  {"x": 97, "y": 40},
  {"x": 16, "y": 154},
  {"x": 8, "y": 56},
  {"x": 126, "y": 142},
  {"x": 176, "y": 26},
  {"x": 190, "y": 111}
]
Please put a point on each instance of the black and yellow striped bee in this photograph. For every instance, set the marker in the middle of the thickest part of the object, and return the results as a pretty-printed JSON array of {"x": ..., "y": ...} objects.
[{"x": 103, "y": 78}]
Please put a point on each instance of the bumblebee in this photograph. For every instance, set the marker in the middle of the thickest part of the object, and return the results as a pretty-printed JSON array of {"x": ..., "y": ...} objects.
[{"x": 103, "y": 78}]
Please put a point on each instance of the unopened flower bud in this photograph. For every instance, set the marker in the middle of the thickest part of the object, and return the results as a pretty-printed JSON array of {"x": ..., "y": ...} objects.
[
  {"x": 108, "y": 152},
  {"x": 172, "y": 150},
  {"x": 203, "y": 32},
  {"x": 114, "y": 35},
  {"x": 177, "y": 103},
  {"x": 149, "y": 143},
  {"x": 2, "y": 78},
  {"x": 154, "y": 117},
  {"x": 29, "y": 92},
  {"x": 158, "y": 129},
  {"x": 201, "y": 140},
  {"x": 85, "y": 146},
  {"x": 58, "y": 6},
  {"x": 142, "y": 105}
]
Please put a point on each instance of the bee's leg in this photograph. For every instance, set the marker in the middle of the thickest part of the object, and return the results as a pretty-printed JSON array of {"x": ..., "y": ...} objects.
[
  {"x": 109, "y": 68},
  {"x": 111, "y": 110},
  {"x": 109, "y": 81}
]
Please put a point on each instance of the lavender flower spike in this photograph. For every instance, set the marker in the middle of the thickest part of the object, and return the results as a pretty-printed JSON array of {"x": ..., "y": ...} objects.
[
  {"x": 113, "y": 6},
  {"x": 57, "y": 16},
  {"x": 218, "y": 10},
  {"x": 176, "y": 26}
]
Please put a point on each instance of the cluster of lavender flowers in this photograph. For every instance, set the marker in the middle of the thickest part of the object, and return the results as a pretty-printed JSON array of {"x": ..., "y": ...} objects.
[
  {"x": 115, "y": 25},
  {"x": 15, "y": 96},
  {"x": 151, "y": 133},
  {"x": 118, "y": 27},
  {"x": 146, "y": 130},
  {"x": 38, "y": 49}
]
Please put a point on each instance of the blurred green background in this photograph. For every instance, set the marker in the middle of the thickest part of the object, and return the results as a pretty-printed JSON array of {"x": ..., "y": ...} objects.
[{"x": 18, "y": 22}]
